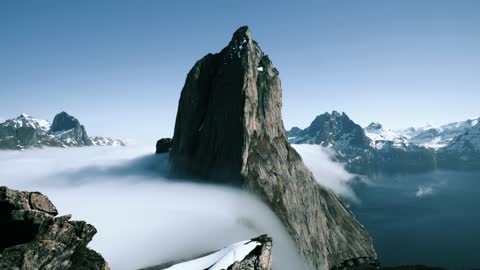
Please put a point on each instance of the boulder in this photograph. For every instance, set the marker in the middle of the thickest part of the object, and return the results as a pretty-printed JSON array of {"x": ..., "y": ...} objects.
[
  {"x": 163, "y": 145},
  {"x": 34, "y": 238}
]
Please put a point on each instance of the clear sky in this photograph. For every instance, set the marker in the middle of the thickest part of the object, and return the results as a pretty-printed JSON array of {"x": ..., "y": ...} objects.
[{"x": 119, "y": 66}]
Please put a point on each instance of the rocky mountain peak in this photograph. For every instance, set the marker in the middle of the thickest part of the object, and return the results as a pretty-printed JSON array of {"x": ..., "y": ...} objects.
[
  {"x": 63, "y": 121},
  {"x": 242, "y": 33},
  {"x": 229, "y": 128},
  {"x": 374, "y": 126}
]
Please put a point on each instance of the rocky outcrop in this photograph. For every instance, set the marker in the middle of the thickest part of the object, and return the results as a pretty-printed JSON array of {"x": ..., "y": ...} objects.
[
  {"x": 361, "y": 263},
  {"x": 253, "y": 254},
  {"x": 63, "y": 121},
  {"x": 163, "y": 145},
  {"x": 25, "y": 132},
  {"x": 67, "y": 125},
  {"x": 34, "y": 238},
  {"x": 229, "y": 129},
  {"x": 259, "y": 258}
]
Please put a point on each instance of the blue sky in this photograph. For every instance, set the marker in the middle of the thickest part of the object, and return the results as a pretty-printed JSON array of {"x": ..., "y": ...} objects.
[{"x": 119, "y": 66}]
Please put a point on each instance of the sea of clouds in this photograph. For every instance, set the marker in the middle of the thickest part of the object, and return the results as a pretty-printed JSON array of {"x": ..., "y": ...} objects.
[{"x": 143, "y": 218}]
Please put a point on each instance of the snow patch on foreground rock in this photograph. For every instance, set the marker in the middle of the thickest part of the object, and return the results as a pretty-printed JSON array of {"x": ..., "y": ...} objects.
[{"x": 254, "y": 254}]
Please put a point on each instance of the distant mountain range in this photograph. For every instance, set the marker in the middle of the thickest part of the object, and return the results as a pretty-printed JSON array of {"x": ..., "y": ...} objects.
[
  {"x": 374, "y": 149},
  {"x": 65, "y": 131}
]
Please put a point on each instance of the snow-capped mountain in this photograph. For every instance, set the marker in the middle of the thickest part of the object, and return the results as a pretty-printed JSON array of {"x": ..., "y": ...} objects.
[
  {"x": 439, "y": 136},
  {"x": 380, "y": 137},
  {"x": 26, "y": 131},
  {"x": 364, "y": 151},
  {"x": 376, "y": 149},
  {"x": 463, "y": 151}
]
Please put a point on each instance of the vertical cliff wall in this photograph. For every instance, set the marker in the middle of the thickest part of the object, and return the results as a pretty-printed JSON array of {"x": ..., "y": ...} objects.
[{"x": 229, "y": 128}]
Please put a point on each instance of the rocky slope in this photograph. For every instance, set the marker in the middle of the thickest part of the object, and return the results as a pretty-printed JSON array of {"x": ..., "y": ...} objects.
[
  {"x": 229, "y": 129},
  {"x": 33, "y": 238},
  {"x": 65, "y": 131}
]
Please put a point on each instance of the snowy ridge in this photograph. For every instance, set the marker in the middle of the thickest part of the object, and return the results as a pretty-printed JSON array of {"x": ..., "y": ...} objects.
[
  {"x": 380, "y": 137},
  {"x": 221, "y": 259},
  {"x": 24, "y": 120},
  {"x": 436, "y": 137}
]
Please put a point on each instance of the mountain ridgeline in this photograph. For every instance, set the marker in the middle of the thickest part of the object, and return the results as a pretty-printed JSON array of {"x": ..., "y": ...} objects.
[
  {"x": 26, "y": 132},
  {"x": 375, "y": 150},
  {"x": 229, "y": 129}
]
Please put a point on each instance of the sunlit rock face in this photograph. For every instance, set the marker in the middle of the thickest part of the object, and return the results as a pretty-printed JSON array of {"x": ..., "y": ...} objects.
[
  {"x": 33, "y": 238},
  {"x": 229, "y": 129}
]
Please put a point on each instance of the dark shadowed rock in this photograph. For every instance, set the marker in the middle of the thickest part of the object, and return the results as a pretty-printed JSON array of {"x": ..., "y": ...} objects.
[
  {"x": 163, "y": 145},
  {"x": 63, "y": 121},
  {"x": 71, "y": 127},
  {"x": 229, "y": 129},
  {"x": 33, "y": 238},
  {"x": 360, "y": 263}
]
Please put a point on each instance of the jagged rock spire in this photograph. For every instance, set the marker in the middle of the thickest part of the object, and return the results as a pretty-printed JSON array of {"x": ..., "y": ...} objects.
[{"x": 229, "y": 129}]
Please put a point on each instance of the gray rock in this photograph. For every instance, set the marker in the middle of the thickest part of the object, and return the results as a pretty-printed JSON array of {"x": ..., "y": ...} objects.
[
  {"x": 259, "y": 259},
  {"x": 33, "y": 238},
  {"x": 163, "y": 145},
  {"x": 229, "y": 129}
]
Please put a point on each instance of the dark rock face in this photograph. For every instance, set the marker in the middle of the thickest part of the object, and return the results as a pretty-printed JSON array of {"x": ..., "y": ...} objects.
[
  {"x": 32, "y": 237},
  {"x": 63, "y": 121},
  {"x": 163, "y": 145},
  {"x": 229, "y": 129},
  {"x": 294, "y": 132},
  {"x": 361, "y": 263}
]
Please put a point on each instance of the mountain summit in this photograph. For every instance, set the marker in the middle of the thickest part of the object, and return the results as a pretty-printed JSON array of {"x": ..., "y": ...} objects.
[
  {"x": 229, "y": 129},
  {"x": 63, "y": 121}
]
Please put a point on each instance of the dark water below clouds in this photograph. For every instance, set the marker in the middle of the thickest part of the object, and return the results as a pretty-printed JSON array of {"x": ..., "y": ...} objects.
[{"x": 431, "y": 219}]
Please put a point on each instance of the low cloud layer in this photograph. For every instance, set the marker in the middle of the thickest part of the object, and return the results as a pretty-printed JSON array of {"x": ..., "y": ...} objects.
[
  {"x": 423, "y": 191},
  {"x": 328, "y": 173},
  {"x": 143, "y": 218}
]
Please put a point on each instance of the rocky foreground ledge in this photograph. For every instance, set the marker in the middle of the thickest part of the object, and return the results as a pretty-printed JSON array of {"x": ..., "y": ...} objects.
[
  {"x": 32, "y": 237},
  {"x": 253, "y": 254}
]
